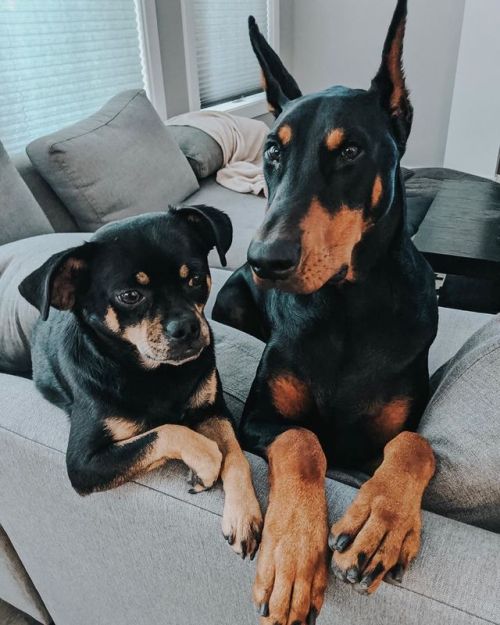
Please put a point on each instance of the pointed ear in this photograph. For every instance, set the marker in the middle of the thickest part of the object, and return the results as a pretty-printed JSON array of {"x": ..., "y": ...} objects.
[
  {"x": 280, "y": 87},
  {"x": 213, "y": 226},
  {"x": 57, "y": 282},
  {"x": 390, "y": 83}
]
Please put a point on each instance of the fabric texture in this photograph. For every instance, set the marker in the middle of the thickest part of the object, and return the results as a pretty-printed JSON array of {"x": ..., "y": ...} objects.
[
  {"x": 241, "y": 140},
  {"x": 117, "y": 163},
  {"x": 462, "y": 423},
  {"x": 151, "y": 538},
  {"x": 20, "y": 215},
  {"x": 15, "y": 585},
  {"x": 17, "y": 317},
  {"x": 203, "y": 153}
]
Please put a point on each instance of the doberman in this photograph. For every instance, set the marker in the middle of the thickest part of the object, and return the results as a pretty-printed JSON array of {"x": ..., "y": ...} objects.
[{"x": 347, "y": 307}]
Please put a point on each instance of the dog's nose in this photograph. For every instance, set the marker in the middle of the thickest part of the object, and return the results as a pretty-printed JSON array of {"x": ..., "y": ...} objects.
[
  {"x": 275, "y": 260},
  {"x": 183, "y": 329}
]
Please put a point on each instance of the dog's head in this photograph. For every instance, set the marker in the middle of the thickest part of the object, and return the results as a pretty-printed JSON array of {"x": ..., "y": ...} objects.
[
  {"x": 331, "y": 166},
  {"x": 141, "y": 283}
]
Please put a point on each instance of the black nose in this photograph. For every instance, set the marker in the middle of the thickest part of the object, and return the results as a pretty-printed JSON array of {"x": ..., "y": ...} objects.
[
  {"x": 183, "y": 329},
  {"x": 274, "y": 260}
]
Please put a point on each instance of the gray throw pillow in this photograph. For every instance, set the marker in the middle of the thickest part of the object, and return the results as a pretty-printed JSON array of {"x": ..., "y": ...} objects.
[
  {"x": 119, "y": 162},
  {"x": 203, "y": 153},
  {"x": 462, "y": 423},
  {"x": 17, "y": 317},
  {"x": 20, "y": 215}
]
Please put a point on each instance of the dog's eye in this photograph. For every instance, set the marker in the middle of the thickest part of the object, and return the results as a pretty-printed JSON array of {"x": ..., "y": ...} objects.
[
  {"x": 273, "y": 153},
  {"x": 195, "y": 280},
  {"x": 129, "y": 298},
  {"x": 350, "y": 152}
]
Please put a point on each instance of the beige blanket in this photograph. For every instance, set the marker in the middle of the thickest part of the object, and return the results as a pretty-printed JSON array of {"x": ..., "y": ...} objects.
[{"x": 241, "y": 140}]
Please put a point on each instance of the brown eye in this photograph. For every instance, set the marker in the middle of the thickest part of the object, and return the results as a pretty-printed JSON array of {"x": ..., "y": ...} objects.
[
  {"x": 350, "y": 152},
  {"x": 273, "y": 153},
  {"x": 195, "y": 280},
  {"x": 129, "y": 298}
]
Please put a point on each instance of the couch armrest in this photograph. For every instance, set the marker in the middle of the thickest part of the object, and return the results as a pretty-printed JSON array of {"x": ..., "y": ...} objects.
[{"x": 148, "y": 552}]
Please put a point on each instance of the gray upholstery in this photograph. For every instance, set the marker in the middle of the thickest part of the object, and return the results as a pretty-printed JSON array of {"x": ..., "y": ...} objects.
[
  {"x": 16, "y": 586},
  {"x": 462, "y": 422},
  {"x": 20, "y": 215},
  {"x": 119, "y": 162},
  {"x": 203, "y": 153},
  {"x": 148, "y": 552}
]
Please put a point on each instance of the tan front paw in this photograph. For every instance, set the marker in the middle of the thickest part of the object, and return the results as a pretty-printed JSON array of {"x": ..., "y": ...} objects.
[
  {"x": 242, "y": 523},
  {"x": 378, "y": 536},
  {"x": 205, "y": 463}
]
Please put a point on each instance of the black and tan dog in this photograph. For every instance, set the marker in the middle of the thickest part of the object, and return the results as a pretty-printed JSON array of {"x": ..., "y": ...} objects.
[
  {"x": 347, "y": 308},
  {"x": 130, "y": 357}
]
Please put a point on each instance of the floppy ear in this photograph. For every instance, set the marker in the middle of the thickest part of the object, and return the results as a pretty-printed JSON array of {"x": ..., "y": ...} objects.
[
  {"x": 213, "y": 226},
  {"x": 390, "y": 83},
  {"x": 279, "y": 85},
  {"x": 58, "y": 280}
]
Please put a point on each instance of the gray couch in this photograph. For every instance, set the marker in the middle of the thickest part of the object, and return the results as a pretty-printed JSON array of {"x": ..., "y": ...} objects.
[{"x": 149, "y": 552}]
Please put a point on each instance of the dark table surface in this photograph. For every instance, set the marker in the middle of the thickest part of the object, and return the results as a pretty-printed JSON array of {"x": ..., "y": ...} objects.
[{"x": 461, "y": 232}]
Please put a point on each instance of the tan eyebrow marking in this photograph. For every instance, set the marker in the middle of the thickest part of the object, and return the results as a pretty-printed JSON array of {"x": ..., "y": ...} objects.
[
  {"x": 142, "y": 278},
  {"x": 184, "y": 271},
  {"x": 285, "y": 134},
  {"x": 377, "y": 191},
  {"x": 334, "y": 138}
]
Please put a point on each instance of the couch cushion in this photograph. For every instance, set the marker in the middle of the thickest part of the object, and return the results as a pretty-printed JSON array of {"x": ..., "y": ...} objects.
[
  {"x": 119, "y": 162},
  {"x": 203, "y": 153},
  {"x": 17, "y": 317},
  {"x": 462, "y": 423},
  {"x": 20, "y": 215}
]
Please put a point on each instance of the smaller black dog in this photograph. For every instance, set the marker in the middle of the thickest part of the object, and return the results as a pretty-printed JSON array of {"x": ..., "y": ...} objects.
[{"x": 129, "y": 355}]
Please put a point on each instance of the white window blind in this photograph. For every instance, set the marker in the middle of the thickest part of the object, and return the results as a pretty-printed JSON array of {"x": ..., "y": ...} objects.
[
  {"x": 226, "y": 65},
  {"x": 60, "y": 60}
]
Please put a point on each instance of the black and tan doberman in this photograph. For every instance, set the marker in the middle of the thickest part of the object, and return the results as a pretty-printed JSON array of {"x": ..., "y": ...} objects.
[{"x": 347, "y": 307}]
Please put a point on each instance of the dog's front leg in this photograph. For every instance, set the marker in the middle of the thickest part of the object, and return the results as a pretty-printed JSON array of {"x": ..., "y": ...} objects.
[
  {"x": 380, "y": 532},
  {"x": 292, "y": 567},
  {"x": 242, "y": 518}
]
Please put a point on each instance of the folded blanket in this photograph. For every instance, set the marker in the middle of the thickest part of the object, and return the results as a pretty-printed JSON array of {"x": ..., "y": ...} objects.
[{"x": 241, "y": 140}]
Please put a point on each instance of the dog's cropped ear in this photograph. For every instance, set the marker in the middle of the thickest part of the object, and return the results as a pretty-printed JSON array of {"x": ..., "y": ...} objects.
[
  {"x": 390, "y": 82},
  {"x": 280, "y": 87},
  {"x": 213, "y": 226},
  {"x": 57, "y": 282}
]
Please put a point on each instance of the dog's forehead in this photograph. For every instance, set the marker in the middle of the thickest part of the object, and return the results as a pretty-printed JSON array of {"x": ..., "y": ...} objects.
[{"x": 336, "y": 107}]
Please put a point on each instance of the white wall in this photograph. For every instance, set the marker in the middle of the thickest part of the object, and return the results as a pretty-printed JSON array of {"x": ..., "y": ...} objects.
[
  {"x": 340, "y": 42},
  {"x": 474, "y": 132}
]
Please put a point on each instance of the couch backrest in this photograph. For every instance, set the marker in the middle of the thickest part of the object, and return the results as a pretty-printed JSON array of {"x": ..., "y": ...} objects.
[{"x": 51, "y": 205}]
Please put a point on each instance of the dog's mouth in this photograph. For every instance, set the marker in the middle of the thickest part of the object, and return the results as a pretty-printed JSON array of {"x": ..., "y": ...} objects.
[
  {"x": 152, "y": 359},
  {"x": 295, "y": 283}
]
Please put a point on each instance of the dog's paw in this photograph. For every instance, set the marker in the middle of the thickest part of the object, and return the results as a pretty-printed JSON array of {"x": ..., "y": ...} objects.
[
  {"x": 377, "y": 539},
  {"x": 205, "y": 465},
  {"x": 242, "y": 524}
]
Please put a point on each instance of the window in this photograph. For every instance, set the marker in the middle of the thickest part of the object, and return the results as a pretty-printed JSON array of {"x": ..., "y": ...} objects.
[
  {"x": 61, "y": 60},
  {"x": 221, "y": 65}
]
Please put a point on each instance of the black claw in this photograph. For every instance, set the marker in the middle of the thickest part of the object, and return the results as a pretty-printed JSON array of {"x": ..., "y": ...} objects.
[
  {"x": 312, "y": 616},
  {"x": 397, "y": 572},
  {"x": 352, "y": 575},
  {"x": 370, "y": 577},
  {"x": 340, "y": 543},
  {"x": 297, "y": 622},
  {"x": 243, "y": 549},
  {"x": 264, "y": 609},
  {"x": 192, "y": 491},
  {"x": 230, "y": 539},
  {"x": 361, "y": 560}
]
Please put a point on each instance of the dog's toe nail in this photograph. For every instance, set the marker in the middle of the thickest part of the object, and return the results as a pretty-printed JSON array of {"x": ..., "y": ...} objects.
[{"x": 264, "y": 609}]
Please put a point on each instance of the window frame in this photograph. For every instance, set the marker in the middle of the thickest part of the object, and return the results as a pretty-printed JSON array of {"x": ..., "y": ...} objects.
[
  {"x": 248, "y": 106},
  {"x": 149, "y": 43}
]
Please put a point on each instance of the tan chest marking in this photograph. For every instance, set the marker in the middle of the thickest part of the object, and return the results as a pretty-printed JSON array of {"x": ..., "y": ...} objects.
[
  {"x": 121, "y": 429},
  {"x": 291, "y": 396},
  {"x": 391, "y": 419},
  {"x": 206, "y": 392}
]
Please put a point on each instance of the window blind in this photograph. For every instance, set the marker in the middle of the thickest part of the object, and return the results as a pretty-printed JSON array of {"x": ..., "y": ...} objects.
[
  {"x": 227, "y": 67},
  {"x": 60, "y": 60}
]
